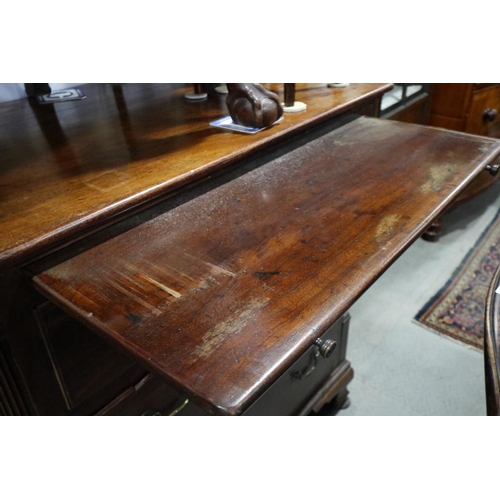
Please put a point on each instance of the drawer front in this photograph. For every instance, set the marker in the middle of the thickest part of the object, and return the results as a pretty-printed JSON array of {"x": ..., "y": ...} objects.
[
  {"x": 90, "y": 373},
  {"x": 289, "y": 395},
  {"x": 483, "y": 117},
  {"x": 292, "y": 391},
  {"x": 95, "y": 378}
]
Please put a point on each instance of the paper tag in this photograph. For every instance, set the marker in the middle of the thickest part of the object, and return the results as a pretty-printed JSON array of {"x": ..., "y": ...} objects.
[
  {"x": 61, "y": 96},
  {"x": 228, "y": 124},
  {"x": 497, "y": 290}
]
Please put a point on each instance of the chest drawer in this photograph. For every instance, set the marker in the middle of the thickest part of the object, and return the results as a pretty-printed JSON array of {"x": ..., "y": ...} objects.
[
  {"x": 483, "y": 116},
  {"x": 292, "y": 392},
  {"x": 309, "y": 383}
]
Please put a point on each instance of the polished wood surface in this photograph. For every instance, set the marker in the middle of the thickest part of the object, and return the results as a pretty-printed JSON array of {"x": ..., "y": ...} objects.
[
  {"x": 491, "y": 347},
  {"x": 68, "y": 168},
  {"x": 63, "y": 368},
  {"x": 221, "y": 293}
]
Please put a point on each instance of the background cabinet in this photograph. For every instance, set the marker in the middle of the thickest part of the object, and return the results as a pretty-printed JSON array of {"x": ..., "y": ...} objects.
[
  {"x": 465, "y": 107},
  {"x": 471, "y": 108}
]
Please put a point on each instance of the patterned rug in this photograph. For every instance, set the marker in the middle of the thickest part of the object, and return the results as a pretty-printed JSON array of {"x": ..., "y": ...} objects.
[{"x": 457, "y": 310}]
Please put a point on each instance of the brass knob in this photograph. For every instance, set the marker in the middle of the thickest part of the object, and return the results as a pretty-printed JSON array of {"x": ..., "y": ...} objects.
[
  {"x": 490, "y": 115},
  {"x": 493, "y": 169},
  {"x": 326, "y": 347}
]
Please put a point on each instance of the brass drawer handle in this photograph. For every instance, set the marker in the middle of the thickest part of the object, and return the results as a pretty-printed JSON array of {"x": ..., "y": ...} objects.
[
  {"x": 490, "y": 115},
  {"x": 152, "y": 413},
  {"x": 309, "y": 368},
  {"x": 493, "y": 169},
  {"x": 179, "y": 408},
  {"x": 326, "y": 347}
]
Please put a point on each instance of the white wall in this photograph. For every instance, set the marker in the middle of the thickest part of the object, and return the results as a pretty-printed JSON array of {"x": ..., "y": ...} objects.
[{"x": 13, "y": 91}]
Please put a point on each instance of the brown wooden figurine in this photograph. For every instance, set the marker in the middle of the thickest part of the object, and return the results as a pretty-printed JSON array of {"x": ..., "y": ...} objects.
[{"x": 251, "y": 105}]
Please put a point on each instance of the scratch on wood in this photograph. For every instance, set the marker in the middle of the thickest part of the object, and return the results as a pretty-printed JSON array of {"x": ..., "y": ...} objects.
[
  {"x": 128, "y": 277},
  {"x": 165, "y": 288},
  {"x": 220, "y": 269},
  {"x": 386, "y": 227},
  {"x": 215, "y": 337},
  {"x": 235, "y": 356},
  {"x": 168, "y": 270},
  {"x": 133, "y": 296}
]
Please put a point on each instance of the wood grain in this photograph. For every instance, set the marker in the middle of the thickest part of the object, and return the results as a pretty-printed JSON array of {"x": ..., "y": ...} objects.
[
  {"x": 222, "y": 293},
  {"x": 70, "y": 167}
]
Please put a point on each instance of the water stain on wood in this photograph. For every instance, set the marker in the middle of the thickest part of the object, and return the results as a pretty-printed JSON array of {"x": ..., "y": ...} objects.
[
  {"x": 437, "y": 178},
  {"x": 215, "y": 337},
  {"x": 386, "y": 227}
]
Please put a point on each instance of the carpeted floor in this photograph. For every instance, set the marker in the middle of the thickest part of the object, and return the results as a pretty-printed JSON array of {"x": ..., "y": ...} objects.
[{"x": 457, "y": 309}]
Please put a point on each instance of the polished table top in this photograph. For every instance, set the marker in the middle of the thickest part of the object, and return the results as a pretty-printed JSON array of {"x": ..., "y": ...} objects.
[
  {"x": 69, "y": 168},
  {"x": 221, "y": 292}
]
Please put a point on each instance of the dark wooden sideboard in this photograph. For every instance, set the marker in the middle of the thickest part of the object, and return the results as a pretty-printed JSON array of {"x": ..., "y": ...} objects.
[
  {"x": 78, "y": 172},
  {"x": 472, "y": 108},
  {"x": 466, "y": 107},
  {"x": 149, "y": 259}
]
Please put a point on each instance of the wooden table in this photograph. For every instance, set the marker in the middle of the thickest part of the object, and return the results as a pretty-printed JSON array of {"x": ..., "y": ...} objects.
[
  {"x": 220, "y": 284},
  {"x": 69, "y": 168}
]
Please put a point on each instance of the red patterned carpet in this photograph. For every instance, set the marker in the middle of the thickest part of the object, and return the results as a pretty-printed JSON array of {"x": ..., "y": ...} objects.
[{"x": 457, "y": 310}]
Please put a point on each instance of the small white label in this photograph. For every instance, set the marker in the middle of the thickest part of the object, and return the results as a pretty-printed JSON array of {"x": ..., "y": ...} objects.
[
  {"x": 61, "y": 96},
  {"x": 497, "y": 290}
]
